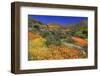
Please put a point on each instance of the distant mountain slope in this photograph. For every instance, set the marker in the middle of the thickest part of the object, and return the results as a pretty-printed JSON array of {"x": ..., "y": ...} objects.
[
  {"x": 34, "y": 24},
  {"x": 82, "y": 24},
  {"x": 37, "y": 24}
]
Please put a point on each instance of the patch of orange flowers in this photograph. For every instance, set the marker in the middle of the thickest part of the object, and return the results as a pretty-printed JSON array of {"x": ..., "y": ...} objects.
[
  {"x": 63, "y": 52},
  {"x": 32, "y": 36},
  {"x": 79, "y": 41}
]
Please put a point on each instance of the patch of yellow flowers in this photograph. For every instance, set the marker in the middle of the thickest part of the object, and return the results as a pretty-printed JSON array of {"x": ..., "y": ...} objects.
[{"x": 37, "y": 49}]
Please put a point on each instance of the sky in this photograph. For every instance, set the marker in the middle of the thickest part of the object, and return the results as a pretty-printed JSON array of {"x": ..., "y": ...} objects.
[{"x": 61, "y": 20}]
